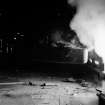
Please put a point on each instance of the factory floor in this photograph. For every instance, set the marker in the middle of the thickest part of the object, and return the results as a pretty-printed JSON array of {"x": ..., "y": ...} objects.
[{"x": 41, "y": 89}]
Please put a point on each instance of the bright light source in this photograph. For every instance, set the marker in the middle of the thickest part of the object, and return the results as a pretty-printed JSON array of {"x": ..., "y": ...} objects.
[
  {"x": 90, "y": 60},
  {"x": 14, "y": 38},
  {"x": 96, "y": 62}
]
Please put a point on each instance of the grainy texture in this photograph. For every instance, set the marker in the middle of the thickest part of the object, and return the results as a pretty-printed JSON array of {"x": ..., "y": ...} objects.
[{"x": 54, "y": 92}]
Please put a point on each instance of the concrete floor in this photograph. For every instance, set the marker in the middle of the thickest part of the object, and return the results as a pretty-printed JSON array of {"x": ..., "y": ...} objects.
[{"x": 54, "y": 92}]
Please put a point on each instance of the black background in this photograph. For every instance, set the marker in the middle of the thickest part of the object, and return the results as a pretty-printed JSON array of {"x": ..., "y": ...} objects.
[{"x": 47, "y": 14}]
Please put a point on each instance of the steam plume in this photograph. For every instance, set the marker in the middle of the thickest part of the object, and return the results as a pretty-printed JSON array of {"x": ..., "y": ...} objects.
[{"x": 89, "y": 24}]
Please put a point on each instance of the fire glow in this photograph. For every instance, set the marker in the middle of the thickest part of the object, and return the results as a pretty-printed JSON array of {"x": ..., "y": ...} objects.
[{"x": 89, "y": 24}]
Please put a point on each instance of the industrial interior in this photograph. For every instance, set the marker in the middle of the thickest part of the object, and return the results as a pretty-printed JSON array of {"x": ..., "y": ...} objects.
[{"x": 52, "y": 53}]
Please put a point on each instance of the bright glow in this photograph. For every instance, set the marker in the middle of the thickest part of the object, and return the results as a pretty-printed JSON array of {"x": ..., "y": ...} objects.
[
  {"x": 100, "y": 43},
  {"x": 96, "y": 62},
  {"x": 90, "y": 60},
  {"x": 89, "y": 24},
  {"x": 85, "y": 56},
  {"x": 15, "y": 38}
]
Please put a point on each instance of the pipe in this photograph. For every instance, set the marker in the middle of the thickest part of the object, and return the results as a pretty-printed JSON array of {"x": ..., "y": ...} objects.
[{"x": 85, "y": 56}]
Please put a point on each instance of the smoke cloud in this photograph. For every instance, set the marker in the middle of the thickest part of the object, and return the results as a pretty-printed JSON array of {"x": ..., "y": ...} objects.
[{"x": 89, "y": 24}]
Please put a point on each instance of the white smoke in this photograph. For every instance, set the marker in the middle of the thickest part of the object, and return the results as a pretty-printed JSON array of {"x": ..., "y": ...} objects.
[{"x": 89, "y": 24}]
